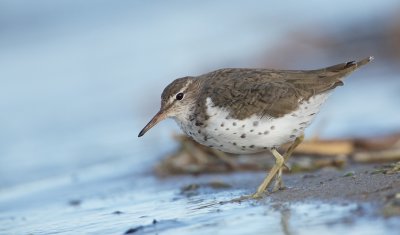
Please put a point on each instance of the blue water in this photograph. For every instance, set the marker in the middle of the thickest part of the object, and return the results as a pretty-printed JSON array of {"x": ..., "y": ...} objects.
[{"x": 79, "y": 79}]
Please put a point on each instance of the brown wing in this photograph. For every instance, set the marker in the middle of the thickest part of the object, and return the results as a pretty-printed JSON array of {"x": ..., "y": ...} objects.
[{"x": 271, "y": 93}]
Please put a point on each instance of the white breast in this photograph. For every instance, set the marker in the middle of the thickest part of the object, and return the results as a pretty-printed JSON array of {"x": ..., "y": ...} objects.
[{"x": 254, "y": 134}]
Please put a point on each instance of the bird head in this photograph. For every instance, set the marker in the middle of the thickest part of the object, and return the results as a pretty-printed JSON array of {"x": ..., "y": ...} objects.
[{"x": 177, "y": 100}]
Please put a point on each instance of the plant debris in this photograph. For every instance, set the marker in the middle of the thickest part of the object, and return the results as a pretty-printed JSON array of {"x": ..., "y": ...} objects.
[
  {"x": 133, "y": 230},
  {"x": 351, "y": 173},
  {"x": 155, "y": 227},
  {"x": 193, "y": 158},
  {"x": 388, "y": 169},
  {"x": 193, "y": 189}
]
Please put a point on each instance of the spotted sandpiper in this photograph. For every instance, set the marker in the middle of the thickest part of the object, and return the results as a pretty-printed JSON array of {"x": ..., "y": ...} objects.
[{"x": 242, "y": 111}]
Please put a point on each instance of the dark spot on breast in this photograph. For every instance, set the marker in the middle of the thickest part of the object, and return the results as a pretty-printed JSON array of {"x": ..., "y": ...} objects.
[
  {"x": 210, "y": 146},
  {"x": 243, "y": 147},
  {"x": 221, "y": 145},
  {"x": 259, "y": 133},
  {"x": 255, "y": 123},
  {"x": 199, "y": 131},
  {"x": 265, "y": 148},
  {"x": 243, "y": 136},
  {"x": 216, "y": 129},
  {"x": 251, "y": 130},
  {"x": 227, "y": 129},
  {"x": 205, "y": 138},
  {"x": 292, "y": 136},
  {"x": 301, "y": 128},
  {"x": 312, "y": 114},
  {"x": 294, "y": 130},
  {"x": 306, "y": 107},
  {"x": 234, "y": 133},
  {"x": 272, "y": 127},
  {"x": 302, "y": 123},
  {"x": 266, "y": 132},
  {"x": 243, "y": 126},
  {"x": 199, "y": 123},
  {"x": 234, "y": 123},
  {"x": 234, "y": 143},
  {"x": 222, "y": 124},
  {"x": 293, "y": 115},
  {"x": 251, "y": 146}
]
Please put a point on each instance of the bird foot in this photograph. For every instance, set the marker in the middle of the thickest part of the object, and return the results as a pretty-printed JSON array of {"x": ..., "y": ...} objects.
[
  {"x": 254, "y": 196},
  {"x": 278, "y": 188},
  {"x": 278, "y": 185},
  {"x": 286, "y": 167},
  {"x": 257, "y": 195}
]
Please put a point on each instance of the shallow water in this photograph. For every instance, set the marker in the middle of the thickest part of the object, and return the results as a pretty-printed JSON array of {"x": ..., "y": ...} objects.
[
  {"x": 137, "y": 200},
  {"x": 80, "y": 79}
]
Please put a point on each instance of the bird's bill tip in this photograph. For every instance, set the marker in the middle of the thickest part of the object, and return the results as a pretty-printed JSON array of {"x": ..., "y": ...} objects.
[
  {"x": 156, "y": 119},
  {"x": 141, "y": 133}
]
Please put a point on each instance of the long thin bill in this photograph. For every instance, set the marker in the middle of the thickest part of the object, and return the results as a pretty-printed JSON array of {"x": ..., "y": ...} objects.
[{"x": 156, "y": 119}]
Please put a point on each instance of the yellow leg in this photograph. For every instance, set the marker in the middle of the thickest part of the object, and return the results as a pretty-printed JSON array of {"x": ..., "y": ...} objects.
[
  {"x": 278, "y": 164},
  {"x": 278, "y": 180},
  {"x": 229, "y": 161}
]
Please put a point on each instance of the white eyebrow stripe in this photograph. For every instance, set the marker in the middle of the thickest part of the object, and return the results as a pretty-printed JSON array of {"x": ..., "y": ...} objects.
[{"x": 184, "y": 88}]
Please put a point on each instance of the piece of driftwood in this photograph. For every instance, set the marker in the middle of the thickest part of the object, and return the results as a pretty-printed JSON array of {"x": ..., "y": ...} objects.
[
  {"x": 193, "y": 158},
  {"x": 325, "y": 147},
  {"x": 377, "y": 156},
  {"x": 385, "y": 147}
]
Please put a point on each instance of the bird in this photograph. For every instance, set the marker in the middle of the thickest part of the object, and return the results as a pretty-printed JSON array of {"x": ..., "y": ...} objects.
[{"x": 251, "y": 110}]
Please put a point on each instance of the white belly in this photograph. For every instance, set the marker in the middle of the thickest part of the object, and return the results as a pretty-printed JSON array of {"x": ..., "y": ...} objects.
[{"x": 253, "y": 134}]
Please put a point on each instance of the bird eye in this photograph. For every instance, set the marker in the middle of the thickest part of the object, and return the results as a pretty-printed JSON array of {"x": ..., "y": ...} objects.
[{"x": 179, "y": 96}]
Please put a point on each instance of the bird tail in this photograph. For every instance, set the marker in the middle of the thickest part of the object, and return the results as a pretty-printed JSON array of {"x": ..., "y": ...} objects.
[
  {"x": 348, "y": 67},
  {"x": 335, "y": 74},
  {"x": 364, "y": 61},
  {"x": 339, "y": 71}
]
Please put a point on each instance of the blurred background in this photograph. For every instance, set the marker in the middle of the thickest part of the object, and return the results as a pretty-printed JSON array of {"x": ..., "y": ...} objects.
[{"x": 79, "y": 79}]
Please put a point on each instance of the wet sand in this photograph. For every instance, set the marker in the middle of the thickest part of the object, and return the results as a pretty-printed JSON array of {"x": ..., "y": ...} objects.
[
  {"x": 357, "y": 199},
  {"x": 360, "y": 183}
]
